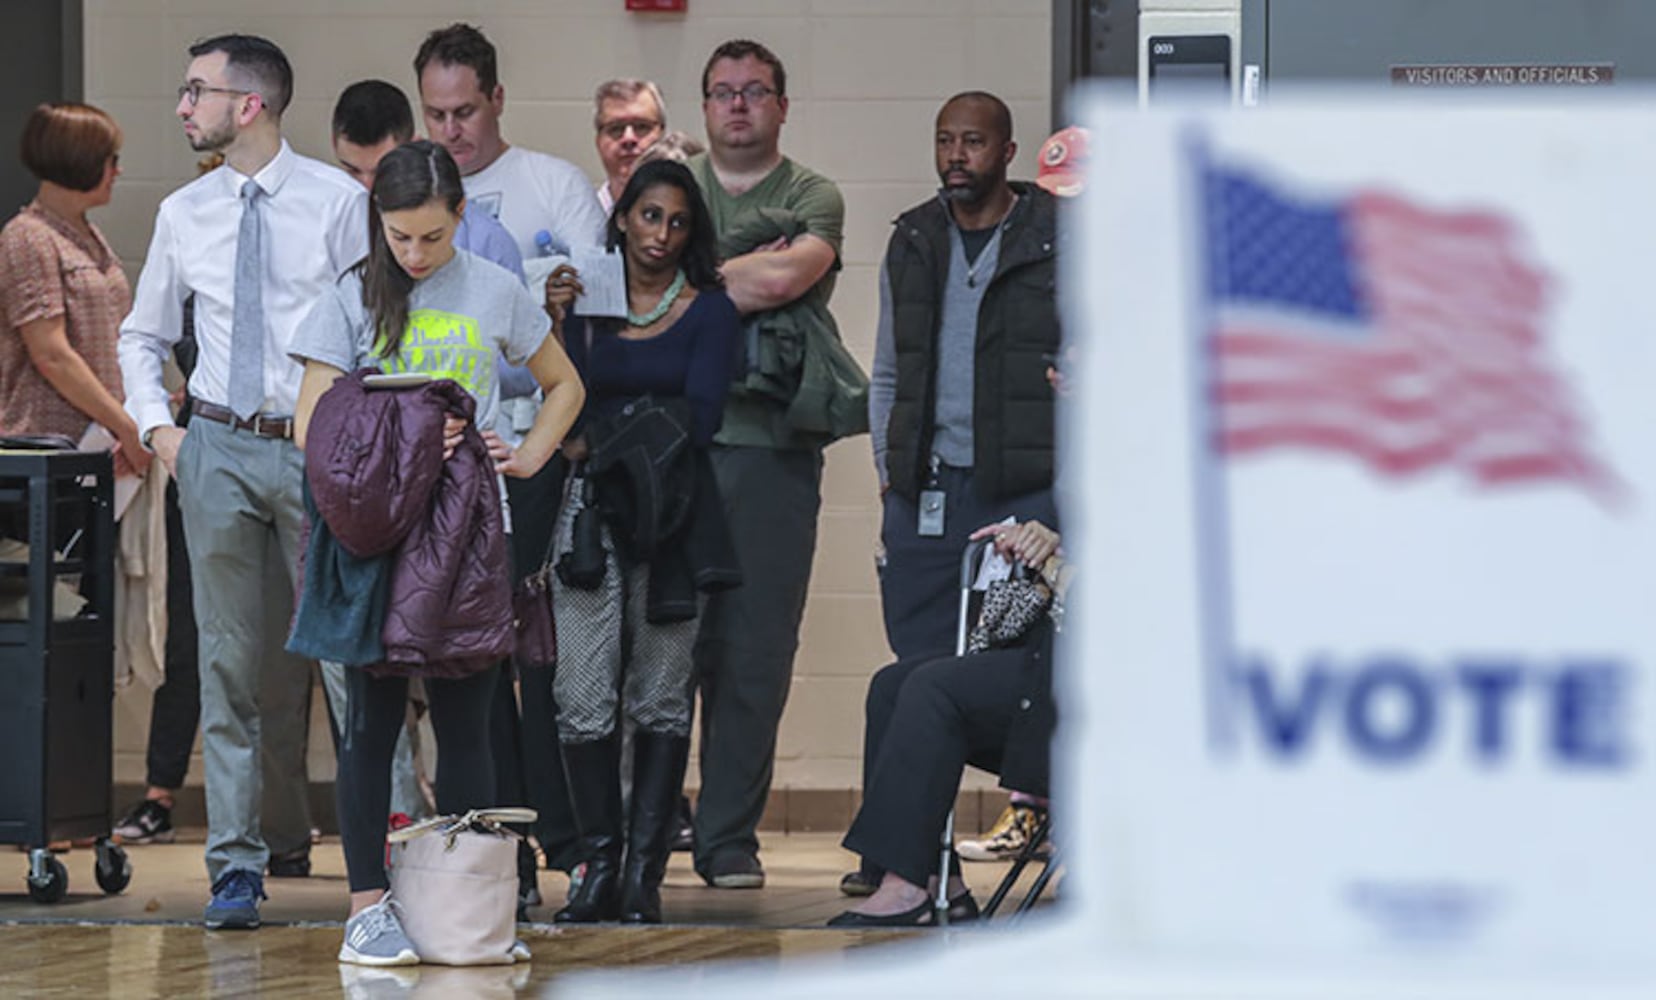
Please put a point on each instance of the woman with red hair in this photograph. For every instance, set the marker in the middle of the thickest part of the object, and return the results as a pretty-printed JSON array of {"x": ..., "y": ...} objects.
[{"x": 65, "y": 293}]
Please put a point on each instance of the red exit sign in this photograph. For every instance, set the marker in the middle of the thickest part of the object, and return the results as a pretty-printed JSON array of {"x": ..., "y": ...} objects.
[{"x": 658, "y": 5}]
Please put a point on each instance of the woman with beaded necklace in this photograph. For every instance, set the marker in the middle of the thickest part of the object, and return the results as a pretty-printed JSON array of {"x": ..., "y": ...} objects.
[{"x": 617, "y": 649}]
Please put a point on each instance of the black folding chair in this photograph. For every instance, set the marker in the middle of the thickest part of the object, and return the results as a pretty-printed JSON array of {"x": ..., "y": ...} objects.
[{"x": 1031, "y": 852}]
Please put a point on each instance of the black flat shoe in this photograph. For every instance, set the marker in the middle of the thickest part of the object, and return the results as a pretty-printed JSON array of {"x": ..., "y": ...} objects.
[
  {"x": 963, "y": 909},
  {"x": 920, "y": 916},
  {"x": 294, "y": 864}
]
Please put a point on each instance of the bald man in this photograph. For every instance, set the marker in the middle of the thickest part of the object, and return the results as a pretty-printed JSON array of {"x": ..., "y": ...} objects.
[{"x": 960, "y": 411}]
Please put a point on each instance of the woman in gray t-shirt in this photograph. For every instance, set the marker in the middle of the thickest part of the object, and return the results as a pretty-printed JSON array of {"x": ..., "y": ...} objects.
[{"x": 418, "y": 305}]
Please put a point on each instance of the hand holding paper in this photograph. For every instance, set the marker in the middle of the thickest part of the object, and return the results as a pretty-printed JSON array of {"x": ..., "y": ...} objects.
[{"x": 604, "y": 283}]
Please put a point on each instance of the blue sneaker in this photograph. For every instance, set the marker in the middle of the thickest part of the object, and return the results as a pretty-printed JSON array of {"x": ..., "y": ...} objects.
[{"x": 235, "y": 902}]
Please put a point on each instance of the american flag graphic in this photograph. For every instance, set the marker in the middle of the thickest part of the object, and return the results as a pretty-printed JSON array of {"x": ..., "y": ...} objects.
[{"x": 1406, "y": 337}]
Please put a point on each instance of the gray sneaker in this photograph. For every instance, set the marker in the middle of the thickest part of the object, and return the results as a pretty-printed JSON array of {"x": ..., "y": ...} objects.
[{"x": 375, "y": 937}]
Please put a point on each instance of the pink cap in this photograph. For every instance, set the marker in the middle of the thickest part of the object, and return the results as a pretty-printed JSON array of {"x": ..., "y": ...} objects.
[{"x": 1064, "y": 162}]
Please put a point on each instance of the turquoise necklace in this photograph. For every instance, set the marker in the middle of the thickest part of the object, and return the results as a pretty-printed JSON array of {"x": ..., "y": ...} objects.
[{"x": 667, "y": 299}]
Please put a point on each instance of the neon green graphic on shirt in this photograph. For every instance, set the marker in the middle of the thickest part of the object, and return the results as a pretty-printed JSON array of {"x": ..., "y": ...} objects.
[{"x": 445, "y": 345}]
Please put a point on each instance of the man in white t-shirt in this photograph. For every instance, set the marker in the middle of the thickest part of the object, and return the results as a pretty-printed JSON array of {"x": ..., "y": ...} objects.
[{"x": 461, "y": 99}]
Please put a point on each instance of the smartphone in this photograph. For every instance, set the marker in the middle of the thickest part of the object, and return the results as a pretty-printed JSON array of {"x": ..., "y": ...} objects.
[{"x": 401, "y": 380}]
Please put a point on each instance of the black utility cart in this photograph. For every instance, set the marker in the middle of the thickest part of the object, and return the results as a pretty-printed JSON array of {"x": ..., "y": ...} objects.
[{"x": 57, "y": 650}]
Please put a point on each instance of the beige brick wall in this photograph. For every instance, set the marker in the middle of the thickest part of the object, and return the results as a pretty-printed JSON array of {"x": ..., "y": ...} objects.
[{"x": 865, "y": 78}]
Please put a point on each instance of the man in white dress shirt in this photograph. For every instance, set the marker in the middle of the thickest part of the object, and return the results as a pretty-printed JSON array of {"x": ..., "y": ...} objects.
[{"x": 256, "y": 242}]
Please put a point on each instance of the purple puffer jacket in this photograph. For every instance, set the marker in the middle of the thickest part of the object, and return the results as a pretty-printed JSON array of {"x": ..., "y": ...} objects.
[{"x": 374, "y": 461}]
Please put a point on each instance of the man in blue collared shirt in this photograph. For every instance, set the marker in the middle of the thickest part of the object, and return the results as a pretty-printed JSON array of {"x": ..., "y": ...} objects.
[
  {"x": 373, "y": 117},
  {"x": 370, "y": 119},
  {"x": 238, "y": 470}
]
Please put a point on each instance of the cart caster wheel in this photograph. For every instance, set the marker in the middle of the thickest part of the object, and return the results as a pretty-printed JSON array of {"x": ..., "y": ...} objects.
[
  {"x": 112, "y": 870},
  {"x": 52, "y": 884}
]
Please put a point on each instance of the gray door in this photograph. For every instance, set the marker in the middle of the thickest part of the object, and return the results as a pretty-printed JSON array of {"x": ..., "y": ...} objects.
[
  {"x": 1361, "y": 40},
  {"x": 40, "y": 60}
]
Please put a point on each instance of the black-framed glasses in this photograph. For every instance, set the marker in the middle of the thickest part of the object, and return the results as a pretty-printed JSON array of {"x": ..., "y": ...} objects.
[
  {"x": 617, "y": 131},
  {"x": 753, "y": 93},
  {"x": 193, "y": 90}
]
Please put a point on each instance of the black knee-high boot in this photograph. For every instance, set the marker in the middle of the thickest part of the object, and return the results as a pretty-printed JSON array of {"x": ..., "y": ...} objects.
[
  {"x": 593, "y": 772},
  {"x": 658, "y": 775}
]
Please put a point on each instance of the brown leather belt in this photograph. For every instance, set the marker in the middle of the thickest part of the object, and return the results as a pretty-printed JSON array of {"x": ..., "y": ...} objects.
[{"x": 259, "y": 424}]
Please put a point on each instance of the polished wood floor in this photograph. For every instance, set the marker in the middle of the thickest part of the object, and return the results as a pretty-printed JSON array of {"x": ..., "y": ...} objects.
[
  {"x": 169, "y": 883},
  {"x": 147, "y": 942},
  {"x": 175, "y": 960}
]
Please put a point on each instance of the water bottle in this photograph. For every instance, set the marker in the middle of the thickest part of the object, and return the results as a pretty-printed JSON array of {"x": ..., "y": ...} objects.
[
  {"x": 549, "y": 253},
  {"x": 549, "y": 246}
]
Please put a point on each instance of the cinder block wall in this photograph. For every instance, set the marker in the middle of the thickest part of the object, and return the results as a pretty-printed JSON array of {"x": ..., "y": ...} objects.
[{"x": 865, "y": 78}]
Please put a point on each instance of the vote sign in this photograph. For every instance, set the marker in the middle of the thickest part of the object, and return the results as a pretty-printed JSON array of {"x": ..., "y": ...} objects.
[{"x": 1364, "y": 634}]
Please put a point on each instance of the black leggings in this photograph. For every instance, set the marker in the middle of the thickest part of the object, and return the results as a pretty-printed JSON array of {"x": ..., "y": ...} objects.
[{"x": 376, "y": 708}]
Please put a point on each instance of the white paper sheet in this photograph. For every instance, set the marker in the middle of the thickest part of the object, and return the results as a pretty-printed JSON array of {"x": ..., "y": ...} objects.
[
  {"x": 604, "y": 280},
  {"x": 97, "y": 438}
]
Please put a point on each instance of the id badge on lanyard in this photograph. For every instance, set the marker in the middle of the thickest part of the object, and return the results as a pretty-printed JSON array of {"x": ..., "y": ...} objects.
[{"x": 933, "y": 506}]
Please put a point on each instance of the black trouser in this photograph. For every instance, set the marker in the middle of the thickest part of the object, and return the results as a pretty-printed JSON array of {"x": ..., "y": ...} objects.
[
  {"x": 375, "y": 710},
  {"x": 534, "y": 739},
  {"x": 176, "y": 711},
  {"x": 926, "y": 720},
  {"x": 745, "y": 650},
  {"x": 920, "y": 584}
]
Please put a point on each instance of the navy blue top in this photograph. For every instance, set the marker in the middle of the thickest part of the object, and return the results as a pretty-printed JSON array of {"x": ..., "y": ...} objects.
[{"x": 692, "y": 358}]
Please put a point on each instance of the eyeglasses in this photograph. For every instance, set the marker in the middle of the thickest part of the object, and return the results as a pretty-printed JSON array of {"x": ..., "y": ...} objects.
[
  {"x": 753, "y": 93},
  {"x": 193, "y": 90},
  {"x": 618, "y": 130}
]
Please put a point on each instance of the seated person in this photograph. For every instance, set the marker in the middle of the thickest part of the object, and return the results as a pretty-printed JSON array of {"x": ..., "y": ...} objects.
[{"x": 927, "y": 719}]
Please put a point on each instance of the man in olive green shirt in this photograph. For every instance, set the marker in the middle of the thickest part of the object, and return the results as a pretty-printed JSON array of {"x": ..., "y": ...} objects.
[{"x": 780, "y": 228}]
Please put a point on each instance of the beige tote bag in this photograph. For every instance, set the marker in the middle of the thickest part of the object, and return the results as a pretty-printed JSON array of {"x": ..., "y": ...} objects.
[{"x": 456, "y": 885}]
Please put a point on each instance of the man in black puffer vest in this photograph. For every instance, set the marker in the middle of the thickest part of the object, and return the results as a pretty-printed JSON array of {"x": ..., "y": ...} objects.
[{"x": 959, "y": 404}]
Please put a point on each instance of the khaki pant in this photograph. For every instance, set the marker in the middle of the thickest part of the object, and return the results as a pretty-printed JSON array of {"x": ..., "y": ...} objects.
[{"x": 242, "y": 515}]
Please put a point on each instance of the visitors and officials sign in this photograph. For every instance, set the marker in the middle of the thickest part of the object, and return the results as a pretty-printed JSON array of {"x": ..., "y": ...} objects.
[
  {"x": 1368, "y": 535},
  {"x": 1505, "y": 75}
]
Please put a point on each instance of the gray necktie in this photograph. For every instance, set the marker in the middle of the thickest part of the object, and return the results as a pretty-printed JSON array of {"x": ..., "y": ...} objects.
[{"x": 247, "y": 331}]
